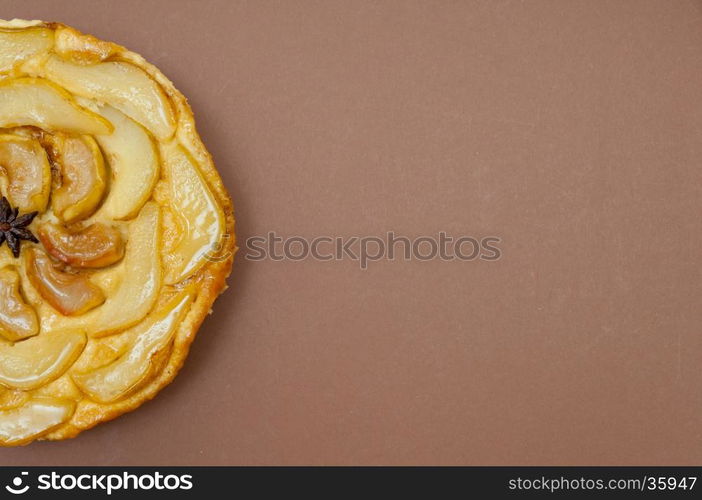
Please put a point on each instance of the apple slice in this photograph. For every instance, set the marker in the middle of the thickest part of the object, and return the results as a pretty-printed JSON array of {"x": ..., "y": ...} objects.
[
  {"x": 39, "y": 416},
  {"x": 18, "y": 320},
  {"x": 37, "y": 361},
  {"x": 18, "y": 45},
  {"x": 120, "y": 84},
  {"x": 134, "y": 161},
  {"x": 119, "y": 378},
  {"x": 26, "y": 170},
  {"x": 200, "y": 220},
  {"x": 40, "y": 103},
  {"x": 83, "y": 177},
  {"x": 70, "y": 294},
  {"x": 95, "y": 246}
]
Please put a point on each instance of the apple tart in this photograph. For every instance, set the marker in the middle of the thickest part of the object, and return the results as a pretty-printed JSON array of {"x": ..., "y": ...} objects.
[{"x": 116, "y": 232}]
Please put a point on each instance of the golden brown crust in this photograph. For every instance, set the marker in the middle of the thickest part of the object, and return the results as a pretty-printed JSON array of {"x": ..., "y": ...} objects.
[{"x": 209, "y": 281}]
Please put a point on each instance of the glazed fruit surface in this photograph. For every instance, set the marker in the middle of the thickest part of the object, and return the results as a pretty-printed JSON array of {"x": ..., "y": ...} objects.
[{"x": 116, "y": 233}]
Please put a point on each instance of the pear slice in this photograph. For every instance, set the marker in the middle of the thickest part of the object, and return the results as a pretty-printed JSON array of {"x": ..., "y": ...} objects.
[
  {"x": 18, "y": 45},
  {"x": 37, "y": 361},
  {"x": 94, "y": 246},
  {"x": 39, "y": 416},
  {"x": 139, "y": 281},
  {"x": 117, "y": 379},
  {"x": 199, "y": 216},
  {"x": 83, "y": 177},
  {"x": 18, "y": 320},
  {"x": 134, "y": 161},
  {"x": 40, "y": 103},
  {"x": 70, "y": 294},
  {"x": 81, "y": 48},
  {"x": 26, "y": 171},
  {"x": 12, "y": 398},
  {"x": 120, "y": 84},
  {"x": 134, "y": 282}
]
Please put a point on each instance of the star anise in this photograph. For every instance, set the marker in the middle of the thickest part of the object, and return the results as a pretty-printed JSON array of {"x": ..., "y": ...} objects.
[{"x": 13, "y": 227}]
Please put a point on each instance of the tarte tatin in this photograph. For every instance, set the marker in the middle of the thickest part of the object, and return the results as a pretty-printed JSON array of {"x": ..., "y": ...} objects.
[{"x": 116, "y": 232}]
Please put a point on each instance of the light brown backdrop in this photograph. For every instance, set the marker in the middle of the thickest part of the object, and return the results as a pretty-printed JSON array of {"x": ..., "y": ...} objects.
[{"x": 572, "y": 130}]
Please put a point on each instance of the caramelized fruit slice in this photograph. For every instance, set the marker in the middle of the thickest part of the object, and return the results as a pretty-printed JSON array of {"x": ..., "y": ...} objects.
[
  {"x": 141, "y": 279},
  {"x": 70, "y": 294},
  {"x": 134, "y": 162},
  {"x": 39, "y": 416},
  {"x": 119, "y": 84},
  {"x": 200, "y": 218},
  {"x": 95, "y": 246},
  {"x": 18, "y": 45},
  {"x": 25, "y": 168},
  {"x": 17, "y": 318},
  {"x": 37, "y": 361},
  {"x": 80, "y": 48},
  {"x": 83, "y": 178},
  {"x": 117, "y": 379},
  {"x": 12, "y": 398},
  {"x": 40, "y": 103}
]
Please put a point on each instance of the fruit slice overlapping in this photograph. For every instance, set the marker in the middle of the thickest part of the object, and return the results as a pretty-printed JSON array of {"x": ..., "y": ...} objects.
[
  {"x": 35, "y": 362},
  {"x": 40, "y": 103},
  {"x": 97, "y": 314},
  {"x": 26, "y": 173},
  {"x": 35, "y": 418},
  {"x": 135, "y": 165},
  {"x": 112, "y": 381}
]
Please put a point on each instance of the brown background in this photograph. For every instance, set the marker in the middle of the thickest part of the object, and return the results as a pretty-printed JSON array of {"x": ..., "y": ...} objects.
[{"x": 569, "y": 129}]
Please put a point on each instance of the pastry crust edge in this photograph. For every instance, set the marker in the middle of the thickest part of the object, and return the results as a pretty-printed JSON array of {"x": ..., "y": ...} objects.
[{"x": 211, "y": 277}]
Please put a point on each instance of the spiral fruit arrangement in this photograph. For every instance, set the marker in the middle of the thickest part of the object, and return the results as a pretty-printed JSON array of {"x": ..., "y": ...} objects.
[{"x": 116, "y": 233}]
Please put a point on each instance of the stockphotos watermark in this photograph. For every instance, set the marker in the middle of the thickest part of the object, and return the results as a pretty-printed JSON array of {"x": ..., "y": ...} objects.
[
  {"x": 105, "y": 483},
  {"x": 367, "y": 249}
]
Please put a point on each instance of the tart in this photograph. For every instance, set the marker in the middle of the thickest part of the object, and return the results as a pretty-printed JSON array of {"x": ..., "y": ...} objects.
[{"x": 116, "y": 232}]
